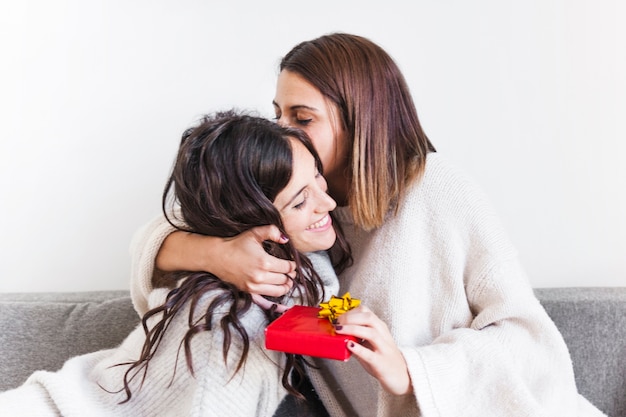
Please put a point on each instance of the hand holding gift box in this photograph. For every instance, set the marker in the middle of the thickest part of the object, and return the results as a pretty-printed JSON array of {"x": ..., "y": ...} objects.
[{"x": 309, "y": 331}]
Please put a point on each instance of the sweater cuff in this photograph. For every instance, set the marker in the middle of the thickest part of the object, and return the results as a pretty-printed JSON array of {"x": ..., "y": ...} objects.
[
  {"x": 421, "y": 383},
  {"x": 144, "y": 248}
]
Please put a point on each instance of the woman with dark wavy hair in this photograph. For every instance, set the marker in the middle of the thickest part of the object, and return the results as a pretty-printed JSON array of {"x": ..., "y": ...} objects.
[{"x": 200, "y": 348}]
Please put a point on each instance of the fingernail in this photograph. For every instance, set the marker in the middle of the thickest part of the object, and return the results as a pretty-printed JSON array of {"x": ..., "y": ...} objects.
[
  {"x": 338, "y": 327},
  {"x": 351, "y": 344},
  {"x": 284, "y": 238}
]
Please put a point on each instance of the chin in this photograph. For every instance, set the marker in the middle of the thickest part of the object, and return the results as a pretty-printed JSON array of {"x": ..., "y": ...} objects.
[
  {"x": 320, "y": 244},
  {"x": 328, "y": 243}
]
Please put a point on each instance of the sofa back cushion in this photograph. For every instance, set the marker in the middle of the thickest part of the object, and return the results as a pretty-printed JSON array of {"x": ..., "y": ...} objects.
[
  {"x": 42, "y": 330},
  {"x": 593, "y": 324}
]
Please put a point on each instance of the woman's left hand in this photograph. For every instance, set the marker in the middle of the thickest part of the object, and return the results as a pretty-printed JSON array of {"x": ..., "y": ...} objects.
[{"x": 378, "y": 354}]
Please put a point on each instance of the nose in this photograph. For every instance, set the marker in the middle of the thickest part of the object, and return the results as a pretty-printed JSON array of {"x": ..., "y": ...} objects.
[
  {"x": 324, "y": 201},
  {"x": 281, "y": 121}
]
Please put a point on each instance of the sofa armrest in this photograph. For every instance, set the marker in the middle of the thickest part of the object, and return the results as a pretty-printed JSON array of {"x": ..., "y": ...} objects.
[{"x": 593, "y": 324}]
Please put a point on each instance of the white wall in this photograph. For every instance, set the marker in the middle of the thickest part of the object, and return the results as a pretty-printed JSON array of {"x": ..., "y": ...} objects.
[{"x": 527, "y": 97}]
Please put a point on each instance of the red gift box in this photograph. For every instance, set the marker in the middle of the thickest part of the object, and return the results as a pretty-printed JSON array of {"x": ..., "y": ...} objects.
[{"x": 301, "y": 332}]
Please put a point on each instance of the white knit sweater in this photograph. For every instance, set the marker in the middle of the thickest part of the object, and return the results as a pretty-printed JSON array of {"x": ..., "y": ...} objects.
[
  {"x": 445, "y": 278},
  {"x": 78, "y": 389}
]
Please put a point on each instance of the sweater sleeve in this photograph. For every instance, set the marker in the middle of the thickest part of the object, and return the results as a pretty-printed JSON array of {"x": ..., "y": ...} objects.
[
  {"x": 144, "y": 248},
  {"x": 509, "y": 359},
  {"x": 214, "y": 387}
]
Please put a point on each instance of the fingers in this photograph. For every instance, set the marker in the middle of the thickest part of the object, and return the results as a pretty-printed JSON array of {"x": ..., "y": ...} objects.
[
  {"x": 262, "y": 302},
  {"x": 361, "y": 315},
  {"x": 281, "y": 308},
  {"x": 265, "y": 274},
  {"x": 368, "y": 335},
  {"x": 269, "y": 280},
  {"x": 266, "y": 304},
  {"x": 269, "y": 232},
  {"x": 271, "y": 263},
  {"x": 276, "y": 270},
  {"x": 378, "y": 353},
  {"x": 270, "y": 290},
  {"x": 362, "y": 353},
  {"x": 389, "y": 369},
  {"x": 362, "y": 323}
]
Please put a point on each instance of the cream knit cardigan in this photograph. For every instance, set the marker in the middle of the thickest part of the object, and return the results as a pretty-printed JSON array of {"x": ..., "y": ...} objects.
[{"x": 443, "y": 275}]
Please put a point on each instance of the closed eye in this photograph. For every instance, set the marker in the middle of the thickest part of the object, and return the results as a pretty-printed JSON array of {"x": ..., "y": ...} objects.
[{"x": 302, "y": 204}]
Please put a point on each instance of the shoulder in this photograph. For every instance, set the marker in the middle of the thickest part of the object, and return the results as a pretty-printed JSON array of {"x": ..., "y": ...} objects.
[
  {"x": 218, "y": 304},
  {"x": 450, "y": 204},
  {"x": 445, "y": 190},
  {"x": 443, "y": 180},
  {"x": 320, "y": 260}
]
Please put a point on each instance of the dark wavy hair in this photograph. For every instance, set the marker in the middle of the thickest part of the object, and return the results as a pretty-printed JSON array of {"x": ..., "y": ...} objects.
[{"x": 228, "y": 171}]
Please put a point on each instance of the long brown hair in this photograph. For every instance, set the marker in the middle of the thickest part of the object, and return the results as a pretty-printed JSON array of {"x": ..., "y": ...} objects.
[
  {"x": 228, "y": 171},
  {"x": 389, "y": 147}
]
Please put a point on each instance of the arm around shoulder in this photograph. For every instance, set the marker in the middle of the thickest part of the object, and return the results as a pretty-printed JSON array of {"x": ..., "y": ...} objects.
[
  {"x": 240, "y": 260},
  {"x": 144, "y": 249}
]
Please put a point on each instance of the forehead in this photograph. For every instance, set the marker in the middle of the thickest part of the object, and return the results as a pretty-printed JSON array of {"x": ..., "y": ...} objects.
[
  {"x": 303, "y": 169},
  {"x": 302, "y": 157},
  {"x": 293, "y": 89}
]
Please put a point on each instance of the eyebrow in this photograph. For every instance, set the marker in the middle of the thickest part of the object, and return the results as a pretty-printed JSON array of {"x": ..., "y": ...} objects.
[
  {"x": 296, "y": 107},
  {"x": 294, "y": 197}
]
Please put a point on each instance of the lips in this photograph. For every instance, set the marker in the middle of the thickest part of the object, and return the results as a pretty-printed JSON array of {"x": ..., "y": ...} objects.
[{"x": 322, "y": 224}]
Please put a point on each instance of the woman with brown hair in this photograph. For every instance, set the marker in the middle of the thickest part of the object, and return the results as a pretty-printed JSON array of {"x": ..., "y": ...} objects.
[
  {"x": 449, "y": 322},
  {"x": 200, "y": 348}
]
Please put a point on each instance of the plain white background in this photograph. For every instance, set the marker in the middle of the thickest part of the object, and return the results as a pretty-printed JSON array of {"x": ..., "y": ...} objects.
[{"x": 529, "y": 98}]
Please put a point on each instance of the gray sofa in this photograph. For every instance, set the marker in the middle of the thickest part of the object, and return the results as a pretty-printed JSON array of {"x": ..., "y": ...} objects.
[{"x": 42, "y": 330}]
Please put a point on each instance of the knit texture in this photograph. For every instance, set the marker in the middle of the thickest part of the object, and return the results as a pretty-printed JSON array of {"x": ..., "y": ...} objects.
[
  {"x": 444, "y": 277},
  {"x": 78, "y": 389},
  {"x": 144, "y": 248}
]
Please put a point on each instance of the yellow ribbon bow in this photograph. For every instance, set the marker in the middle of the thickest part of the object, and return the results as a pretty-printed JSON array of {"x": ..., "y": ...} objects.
[{"x": 336, "y": 306}]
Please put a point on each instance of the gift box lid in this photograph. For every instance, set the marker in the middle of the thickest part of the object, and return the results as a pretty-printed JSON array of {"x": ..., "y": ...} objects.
[{"x": 300, "y": 331}]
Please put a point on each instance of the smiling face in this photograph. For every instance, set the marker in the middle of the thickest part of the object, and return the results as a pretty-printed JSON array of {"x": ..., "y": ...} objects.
[
  {"x": 304, "y": 205},
  {"x": 299, "y": 104}
]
